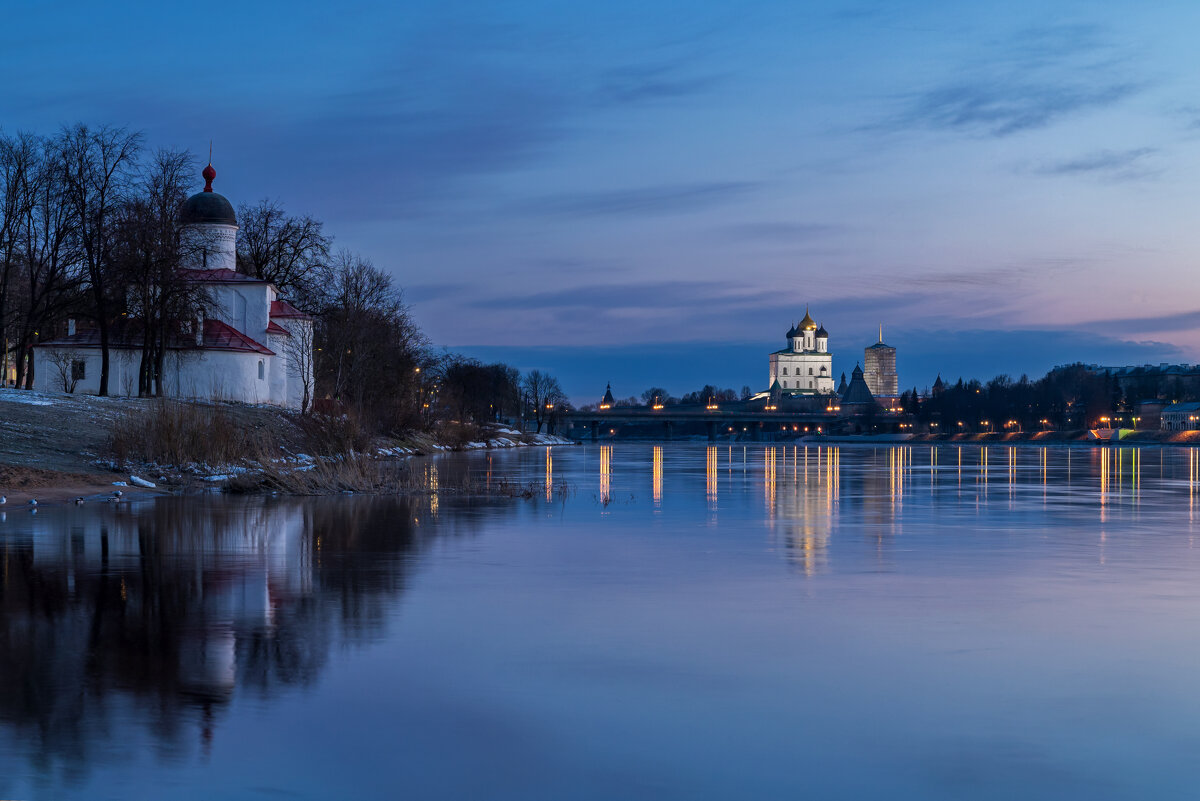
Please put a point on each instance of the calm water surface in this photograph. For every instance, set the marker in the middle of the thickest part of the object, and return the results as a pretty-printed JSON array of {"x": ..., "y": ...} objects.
[{"x": 681, "y": 622}]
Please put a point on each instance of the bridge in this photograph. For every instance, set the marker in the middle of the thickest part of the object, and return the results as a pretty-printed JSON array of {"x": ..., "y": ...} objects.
[{"x": 754, "y": 420}]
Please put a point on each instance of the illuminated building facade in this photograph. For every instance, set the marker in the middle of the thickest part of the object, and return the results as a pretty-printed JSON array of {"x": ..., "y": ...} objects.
[
  {"x": 805, "y": 366},
  {"x": 879, "y": 369}
]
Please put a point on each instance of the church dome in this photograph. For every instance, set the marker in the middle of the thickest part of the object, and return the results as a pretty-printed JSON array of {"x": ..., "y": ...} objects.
[
  {"x": 822, "y": 333},
  {"x": 793, "y": 332},
  {"x": 808, "y": 323},
  {"x": 208, "y": 206}
]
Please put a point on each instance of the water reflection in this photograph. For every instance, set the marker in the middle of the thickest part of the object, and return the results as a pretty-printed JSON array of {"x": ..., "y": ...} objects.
[
  {"x": 828, "y": 561},
  {"x": 605, "y": 473},
  {"x": 802, "y": 507},
  {"x": 711, "y": 475},
  {"x": 181, "y": 604},
  {"x": 657, "y": 468}
]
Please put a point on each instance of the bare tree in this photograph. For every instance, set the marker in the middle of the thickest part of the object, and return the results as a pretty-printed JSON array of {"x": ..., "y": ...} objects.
[
  {"x": 68, "y": 366},
  {"x": 18, "y": 157},
  {"x": 286, "y": 250},
  {"x": 49, "y": 277},
  {"x": 299, "y": 350},
  {"x": 98, "y": 166},
  {"x": 150, "y": 244},
  {"x": 543, "y": 394},
  {"x": 368, "y": 347}
]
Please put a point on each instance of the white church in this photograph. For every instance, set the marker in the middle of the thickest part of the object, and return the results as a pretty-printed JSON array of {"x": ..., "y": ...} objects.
[
  {"x": 805, "y": 366},
  {"x": 255, "y": 347}
]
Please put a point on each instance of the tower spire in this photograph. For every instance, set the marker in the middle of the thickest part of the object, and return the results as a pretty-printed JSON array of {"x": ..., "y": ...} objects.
[
  {"x": 208, "y": 172},
  {"x": 881, "y": 333}
]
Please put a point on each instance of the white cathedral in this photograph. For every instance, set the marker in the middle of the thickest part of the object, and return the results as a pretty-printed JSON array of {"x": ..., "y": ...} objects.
[
  {"x": 805, "y": 366},
  {"x": 255, "y": 347}
]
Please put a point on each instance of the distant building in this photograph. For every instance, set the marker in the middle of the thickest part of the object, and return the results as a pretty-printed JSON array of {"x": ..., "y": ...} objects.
[
  {"x": 1180, "y": 417},
  {"x": 805, "y": 366},
  {"x": 879, "y": 369},
  {"x": 607, "y": 402},
  {"x": 857, "y": 398}
]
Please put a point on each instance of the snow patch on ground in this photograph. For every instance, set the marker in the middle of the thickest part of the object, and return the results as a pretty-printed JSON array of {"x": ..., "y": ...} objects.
[{"x": 25, "y": 396}]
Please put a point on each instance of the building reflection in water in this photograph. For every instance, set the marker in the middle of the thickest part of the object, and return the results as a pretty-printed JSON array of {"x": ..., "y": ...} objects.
[
  {"x": 180, "y": 604},
  {"x": 712, "y": 476},
  {"x": 549, "y": 474},
  {"x": 605, "y": 473},
  {"x": 657, "y": 476},
  {"x": 801, "y": 508},
  {"x": 1193, "y": 477}
]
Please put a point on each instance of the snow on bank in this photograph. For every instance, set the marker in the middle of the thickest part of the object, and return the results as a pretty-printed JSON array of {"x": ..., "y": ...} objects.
[
  {"x": 510, "y": 439},
  {"x": 25, "y": 396}
]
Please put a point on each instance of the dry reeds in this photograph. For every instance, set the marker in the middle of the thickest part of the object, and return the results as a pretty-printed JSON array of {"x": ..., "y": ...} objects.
[{"x": 176, "y": 432}]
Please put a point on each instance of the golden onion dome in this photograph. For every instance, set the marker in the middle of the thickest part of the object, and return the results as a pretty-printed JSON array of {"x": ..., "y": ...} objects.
[{"x": 808, "y": 324}]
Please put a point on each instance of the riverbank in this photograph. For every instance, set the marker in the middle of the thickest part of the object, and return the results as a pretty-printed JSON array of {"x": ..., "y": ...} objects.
[{"x": 56, "y": 447}]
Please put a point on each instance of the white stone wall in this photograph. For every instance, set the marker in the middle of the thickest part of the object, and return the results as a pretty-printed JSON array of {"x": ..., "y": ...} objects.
[
  {"x": 219, "y": 247},
  {"x": 246, "y": 307},
  {"x": 210, "y": 374},
  {"x": 797, "y": 376}
]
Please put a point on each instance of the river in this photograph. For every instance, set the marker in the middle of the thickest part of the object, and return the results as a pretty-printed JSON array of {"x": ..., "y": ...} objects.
[{"x": 676, "y": 622}]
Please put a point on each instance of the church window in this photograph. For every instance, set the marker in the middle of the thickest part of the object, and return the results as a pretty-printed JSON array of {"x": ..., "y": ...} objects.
[
  {"x": 810, "y": 385},
  {"x": 810, "y": 371},
  {"x": 785, "y": 371},
  {"x": 262, "y": 370},
  {"x": 785, "y": 385}
]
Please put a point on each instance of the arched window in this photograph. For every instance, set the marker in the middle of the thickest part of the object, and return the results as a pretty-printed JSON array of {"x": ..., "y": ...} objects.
[
  {"x": 785, "y": 371},
  {"x": 262, "y": 370},
  {"x": 810, "y": 371},
  {"x": 785, "y": 385}
]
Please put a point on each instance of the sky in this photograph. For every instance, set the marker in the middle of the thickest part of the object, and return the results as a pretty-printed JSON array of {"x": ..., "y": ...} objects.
[{"x": 650, "y": 193}]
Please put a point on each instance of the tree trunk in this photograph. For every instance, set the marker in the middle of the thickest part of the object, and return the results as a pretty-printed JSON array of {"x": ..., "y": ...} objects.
[{"x": 102, "y": 326}]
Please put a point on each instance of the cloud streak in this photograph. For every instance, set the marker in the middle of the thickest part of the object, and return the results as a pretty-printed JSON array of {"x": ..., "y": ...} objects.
[
  {"x": 664, "y": 199},
  {"x": 1120, "y": 165},
  {"x": 1030, "y": 80},
  {"x": 999, "y": 107}
]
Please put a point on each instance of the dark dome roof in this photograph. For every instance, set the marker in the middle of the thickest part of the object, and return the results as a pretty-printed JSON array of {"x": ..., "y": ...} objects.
[
  {"x": 822, "y": 333},
  {"x": 207, "y": 207},
  {"x": 793, "y": 332}
]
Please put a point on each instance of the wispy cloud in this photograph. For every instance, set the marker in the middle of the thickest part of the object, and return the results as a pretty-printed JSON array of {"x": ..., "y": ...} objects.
[
  {"x": 665, "y": 199},
  {"x": 1000, "y": 107},
  {"x": 1180, "y": 321},
  {"x": 653, "y": 83},
  {"x": 1117, "y": 165},
  {"x": 1031, "y": 79}
]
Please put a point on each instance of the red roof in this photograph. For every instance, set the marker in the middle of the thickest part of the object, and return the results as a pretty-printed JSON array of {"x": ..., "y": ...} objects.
[
  {"x": 275, "y": 328},
  {"x": 129, "y": 334},
  {"x": 220, "y": 336},
  {"x": 284, "y": 310}
]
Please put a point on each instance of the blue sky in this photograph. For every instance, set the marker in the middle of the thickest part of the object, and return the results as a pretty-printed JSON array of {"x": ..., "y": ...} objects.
[{"x": 624, "y": 190}]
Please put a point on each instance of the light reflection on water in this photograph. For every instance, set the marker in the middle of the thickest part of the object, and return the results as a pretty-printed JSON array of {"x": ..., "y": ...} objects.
[{"x": 720, "y": 621}]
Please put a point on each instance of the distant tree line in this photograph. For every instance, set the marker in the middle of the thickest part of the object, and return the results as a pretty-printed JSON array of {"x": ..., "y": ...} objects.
[
  {"x": 1072, "y": 396},
  {"x": 90, "y": 231}
]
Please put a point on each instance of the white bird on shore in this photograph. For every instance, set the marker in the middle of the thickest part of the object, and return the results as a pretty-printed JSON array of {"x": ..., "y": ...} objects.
[
  {"x": 33, "y": 501},
  {"x": 117, "y": 493},
  {"x": 78, "y": 501},
  {"x": 3, "y": 500}
]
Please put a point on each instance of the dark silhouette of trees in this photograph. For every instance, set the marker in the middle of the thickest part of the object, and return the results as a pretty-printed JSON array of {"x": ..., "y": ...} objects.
[
  {"x": 543, "y": 394},
  {"x": 286, "y": 250},
  {"x": 98, "y": 169}
]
